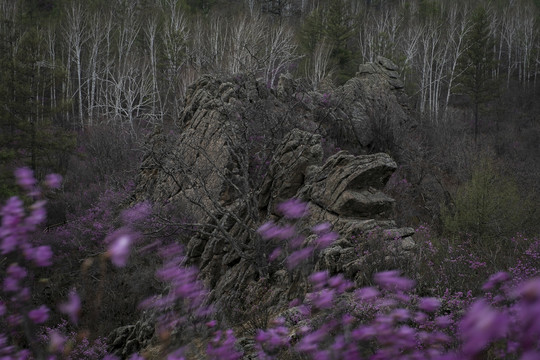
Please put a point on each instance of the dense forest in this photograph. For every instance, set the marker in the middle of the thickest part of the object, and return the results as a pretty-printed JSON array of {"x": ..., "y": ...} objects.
[{"x": 86, "y": 88}]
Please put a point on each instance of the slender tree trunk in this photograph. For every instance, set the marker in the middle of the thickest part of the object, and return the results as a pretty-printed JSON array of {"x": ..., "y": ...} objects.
[{"x": 476, "y": 122}]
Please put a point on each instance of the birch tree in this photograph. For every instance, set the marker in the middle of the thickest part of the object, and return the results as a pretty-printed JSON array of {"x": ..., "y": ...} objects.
[{"x": 76, "y": 36}]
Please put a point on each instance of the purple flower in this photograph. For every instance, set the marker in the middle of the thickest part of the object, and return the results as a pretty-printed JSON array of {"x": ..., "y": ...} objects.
[
  {"x": 339, "y": 283},
  {"x": 319, "y": 279},
  {"x": 400, "y": 314},
  {"x": 222, "y": 347},
  {"x": 211, "y": 323},
  {"x": 56, "y": 341},
  {"x": 420, "y": 318},
  {"x": 390, "y": 280},
  {"x": 273, "y": 338},
  {"x": 443, "y": 321},
  {"x": 429, "y": 304},
  {"x": 9, "y": 244},
  {"x": 310, "y": 342},
  {"x": 293, "y": 209},
  {"x": 72, "y": 307},
  {"x": 326, "y": 240},
  {"x": 39, "y": 315},
  {"x": 298, "y": 256},
  {"x": 495, "y": 279},
  {"x": 38, "y": 214},
  {"x": 481, "y": 325},
  {"x": 322, "y": 228},
  {"x": 2, "y": 308},
  {"x": 53, "y": 181},
  {"x": 12, "y": 212},
  {"x": 15, "y": 273},
  {"x": 274, "y": 254},
  {"x": 367, "y": 294},
  {"x": 271, "y": 230},
  {"x": 25, "y": 178},
  {"x": 137, "y": 213},
  {"x": 119, "y": 250},
  {"x": 42, "y": 256},
  {"x": 322, "y": 299}
]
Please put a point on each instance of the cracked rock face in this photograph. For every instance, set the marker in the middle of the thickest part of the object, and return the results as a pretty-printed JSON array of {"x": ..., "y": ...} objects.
[{"x": 202, "y": 172}]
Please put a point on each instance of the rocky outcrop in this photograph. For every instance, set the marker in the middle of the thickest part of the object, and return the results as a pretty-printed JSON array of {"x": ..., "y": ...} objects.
[
  {"x": 228, "y": 126},
  {"x": 129, "y": 339}
]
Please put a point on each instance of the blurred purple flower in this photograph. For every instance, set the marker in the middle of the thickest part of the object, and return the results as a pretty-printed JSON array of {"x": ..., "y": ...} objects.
[
  {"x": 496, "y": 279},
  {"x": 53, "y": 181},
  {"x": 298, "y": 256},
  {"x": 390, "y": 280},
  {"x": 443, "y": 321},
  {"x": 211, "y": 323},
  {"x": 56, "y": 341},
  {"x": 38, "y": 214},
  {"x": 15, "y": 273},
  {"x": 310, "y": 342},
  {"x": 137, "y": 213},
  {"x": 275, "y": 254},
  {"x": 42, "y": 256},
  {"x": 271, "y": 230},
  {"x": 429, "y": 304},
  {"x": 293, "y": 209},
  {"x": 222, "y": 346},
  {"x": 367, "y": 294},
  {"x": 119, "y": 250},
  {"x": 25, "y": 178},
  {"x": 12, "y": 213},
  {"x": 9, "y": 244},
  {"x": 420, "y": 318},
  {"x": 326, "y": 240},
  {"x": 322, "y": 299},
  {"x": 339, "y": 283},
  {"x": 273, "y": 338},
  {"x": 72, "y": 307},
  {"x": 319, "y": 279},
  {"x": 39, "y": 315},
  {"x": 322, "y": 228},
  {"x": 481, "y": 325},
  {"x": 530, "y": 355}
]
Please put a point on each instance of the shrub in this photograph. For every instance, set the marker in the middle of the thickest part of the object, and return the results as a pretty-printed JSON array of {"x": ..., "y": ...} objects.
[{"x": 488, "y": 207}]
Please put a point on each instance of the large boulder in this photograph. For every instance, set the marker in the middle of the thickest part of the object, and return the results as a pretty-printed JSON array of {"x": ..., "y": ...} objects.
[{"x": 202, "y": 168}]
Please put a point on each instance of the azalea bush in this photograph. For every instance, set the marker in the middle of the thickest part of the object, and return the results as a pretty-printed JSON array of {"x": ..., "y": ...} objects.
[{"x": 333, "y": 320}]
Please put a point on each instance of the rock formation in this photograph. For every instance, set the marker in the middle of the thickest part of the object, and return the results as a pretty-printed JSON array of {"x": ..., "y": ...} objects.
[{"x": 205, "y": 170}]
